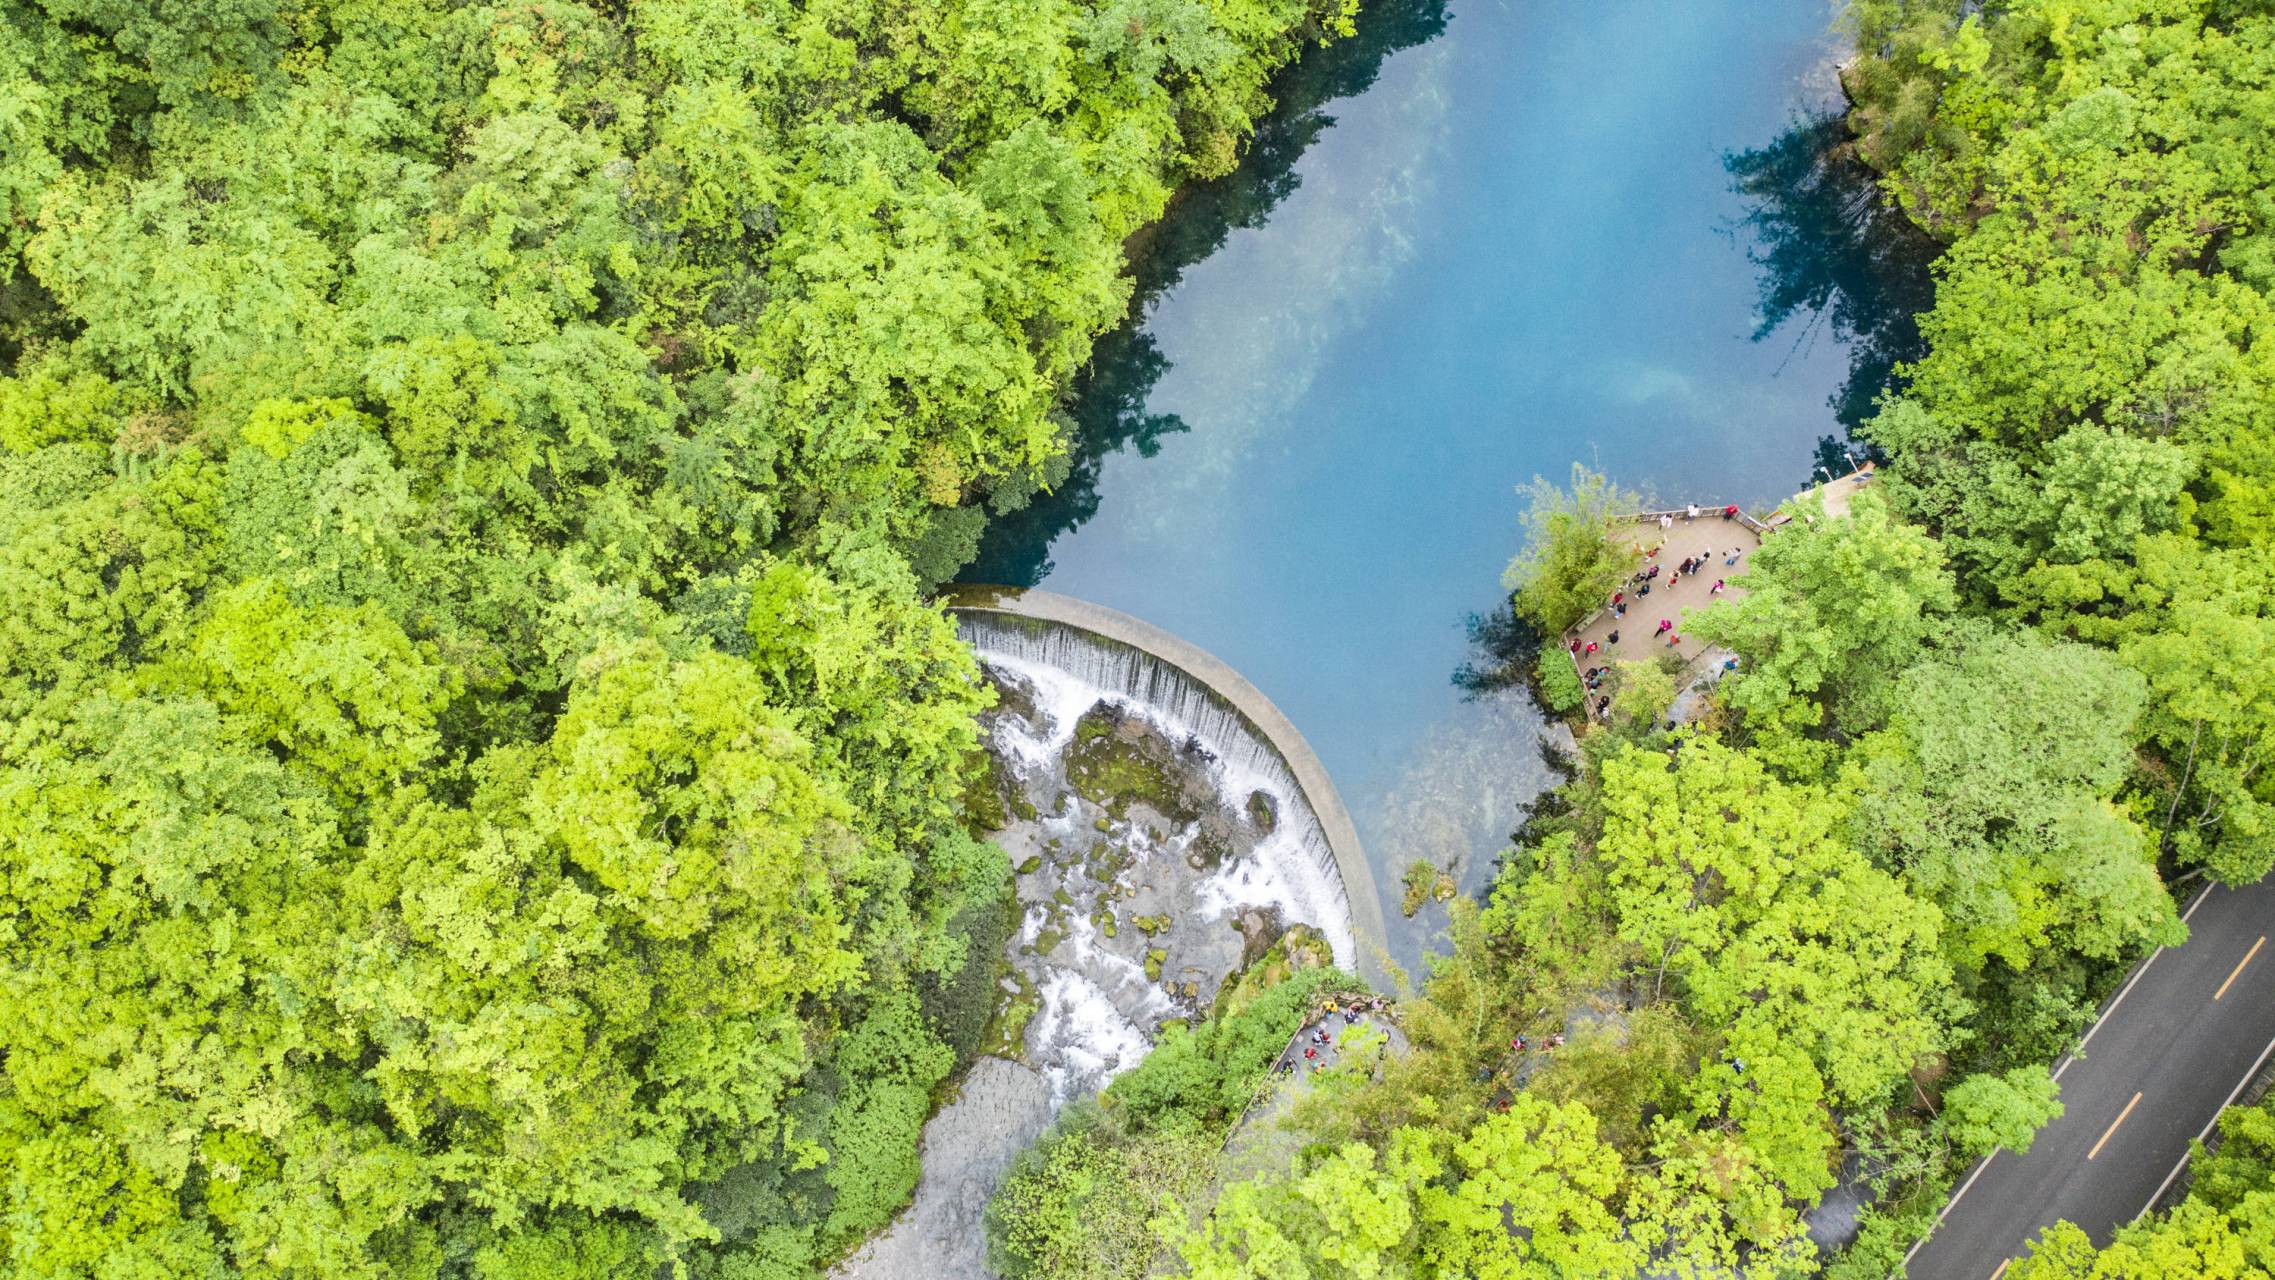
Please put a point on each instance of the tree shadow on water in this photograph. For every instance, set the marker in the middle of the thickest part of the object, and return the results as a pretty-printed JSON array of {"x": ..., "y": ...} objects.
[
  {"x": 1107, "y": 405},
  {"x": 1833, "y": 251},
  {"x": 1503, "y": 648}
]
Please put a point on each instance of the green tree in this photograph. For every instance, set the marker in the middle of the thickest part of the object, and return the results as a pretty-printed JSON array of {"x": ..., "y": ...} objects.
[
  {"x": 1349, "y": 1215},
  {"x": 1741, "y": 888},
  {"x": 1570, "y": 563},
  {"x": 2006, "y": 821},
  {"x": 1987, "y": 1112},
  {"x": 1834, "y": 608},
  {"x": 1535, "y": 1196}
]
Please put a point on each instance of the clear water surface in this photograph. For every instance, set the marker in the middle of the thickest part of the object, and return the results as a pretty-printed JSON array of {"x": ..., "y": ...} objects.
[{"x": 1483, "y": 241}]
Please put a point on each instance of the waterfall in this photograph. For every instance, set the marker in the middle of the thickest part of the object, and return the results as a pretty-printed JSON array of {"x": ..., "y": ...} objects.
[{"x": 1073, "y": 669}]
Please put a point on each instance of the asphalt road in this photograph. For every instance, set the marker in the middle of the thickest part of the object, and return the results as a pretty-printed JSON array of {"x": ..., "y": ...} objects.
[{"x": 2181, "y": 1038}]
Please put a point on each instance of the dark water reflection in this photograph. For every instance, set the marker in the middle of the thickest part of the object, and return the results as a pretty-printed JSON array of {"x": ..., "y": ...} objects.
[
  {"x": 1835, "y": 254},
  {"x": 1479, "y": 243},
  {"x": 1109, "y": 406}
]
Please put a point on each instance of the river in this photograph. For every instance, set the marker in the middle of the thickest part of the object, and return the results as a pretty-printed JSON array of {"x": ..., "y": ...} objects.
[{"x": 1480, "y": 242}]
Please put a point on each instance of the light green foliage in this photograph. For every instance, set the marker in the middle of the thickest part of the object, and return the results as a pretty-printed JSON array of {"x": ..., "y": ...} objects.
[
  {"x": 1641, "y": 694},
  {"x": 2195, "y": 1240},
  {"x": 1350, "y": 1215},
  {"x": 480, "y": 782},
  {"x": 1206, "y": 1074},
  {"x": 2087, "y": 434},
  {"x": 2004, "y": 819},
  {"x": 1570, "y": 564},
  {"x": 1534, "y": 1198},
  {"x": 1623, "y": 1073},
  {"x": 2242, "y": 1164},
  {"x": 1083, "y": 1203},
  {"x": 342, "y": 691},
  {"x": 2088, "y": 438},
  {"x": 1742, "y": 889},
  {"x": 1985, "y": 1113},
  {"x": 2211, "y": 713},
  {"x": 1709, "y": 1206},
  {"x": 1834, "y": 608}
]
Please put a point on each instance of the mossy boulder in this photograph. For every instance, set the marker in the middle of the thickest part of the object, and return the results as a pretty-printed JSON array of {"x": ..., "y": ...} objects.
[
  {"x": 1422, "y": 882},
  {"x": 1013, "y": 696},
  {"x": 1117, "y": 760},
  {"x": 1208, "y": 850},
  {"x": 1293, "y": 950},
  {"x": 1155, "y": 957},
  {"x": 1263, "y": 813},
  {"x": 985, "y": 800},
  {"x": 1006, "y": 1032}
]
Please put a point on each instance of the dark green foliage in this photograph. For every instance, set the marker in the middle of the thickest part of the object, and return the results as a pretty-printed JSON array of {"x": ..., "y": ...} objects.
[{"x": 1559, "y": 684}]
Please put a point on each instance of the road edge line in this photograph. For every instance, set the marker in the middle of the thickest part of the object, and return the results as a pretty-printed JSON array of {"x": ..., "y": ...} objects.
[
  {"x": 1948, "y": 1205},
  {"x": 2127, "y": 989},
  {"x": 2201, "y": 1134},
  {"x": 2098, "y": 1019}
]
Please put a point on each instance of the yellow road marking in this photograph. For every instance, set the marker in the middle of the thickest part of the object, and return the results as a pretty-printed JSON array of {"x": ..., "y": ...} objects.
[
  {"x": 2002, "y": 1269},
  {"x": 2113, "y": 1127},
  {"x": 2238, "y": 970}
]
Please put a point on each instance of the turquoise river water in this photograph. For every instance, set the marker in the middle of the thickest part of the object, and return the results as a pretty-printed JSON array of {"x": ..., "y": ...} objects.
[{"x": 1485, "y": 240}]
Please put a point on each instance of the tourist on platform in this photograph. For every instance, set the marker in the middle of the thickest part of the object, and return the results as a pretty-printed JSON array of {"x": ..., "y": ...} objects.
[
  {"x": 1716, "y": 589},
  {"x": 1735, "y": 552}
]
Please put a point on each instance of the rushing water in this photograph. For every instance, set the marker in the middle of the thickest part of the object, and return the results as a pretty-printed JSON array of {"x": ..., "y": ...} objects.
[
  {"x": 1483, "y": 241},
  {"x": 1293, "y": 869}
]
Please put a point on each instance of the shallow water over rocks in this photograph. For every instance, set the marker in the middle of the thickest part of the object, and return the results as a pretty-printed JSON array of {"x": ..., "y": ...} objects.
[{"x": 1149, "y": 870}]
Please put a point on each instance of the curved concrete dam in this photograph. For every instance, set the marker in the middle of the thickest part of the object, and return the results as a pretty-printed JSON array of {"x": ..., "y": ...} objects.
[{"x": 1130, "y": 659}]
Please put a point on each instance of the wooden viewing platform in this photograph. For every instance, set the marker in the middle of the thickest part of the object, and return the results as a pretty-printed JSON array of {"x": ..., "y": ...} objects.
[{"x": 1674, "y": 534}]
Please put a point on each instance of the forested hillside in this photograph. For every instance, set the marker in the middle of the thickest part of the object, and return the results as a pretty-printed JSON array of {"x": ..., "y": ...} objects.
[
  {"x": 1984, "y": 730},
  {"x": 478, "y": 785}
]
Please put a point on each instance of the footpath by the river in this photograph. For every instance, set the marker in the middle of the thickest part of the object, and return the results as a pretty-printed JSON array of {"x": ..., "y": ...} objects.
[
  {"x": 1260, "y": 1142},
  {"x": 1649, "y": 616}
]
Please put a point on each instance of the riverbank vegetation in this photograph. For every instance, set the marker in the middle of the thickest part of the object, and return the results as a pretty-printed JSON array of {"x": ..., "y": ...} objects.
[
  {"x": 1847, "y": 919},
  {"x": 1096, "y": 1197},
  {"x": 478, "y": 784}
]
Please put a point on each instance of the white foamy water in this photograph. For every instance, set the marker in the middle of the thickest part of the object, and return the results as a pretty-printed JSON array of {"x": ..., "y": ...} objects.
[
  {"x": 1080, "y": 1038},
  {"x": 1070, "y": 671}
]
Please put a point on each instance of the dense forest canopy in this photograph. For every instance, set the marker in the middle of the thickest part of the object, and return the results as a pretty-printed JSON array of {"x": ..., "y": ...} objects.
[{"x": 478, "y": 785}]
